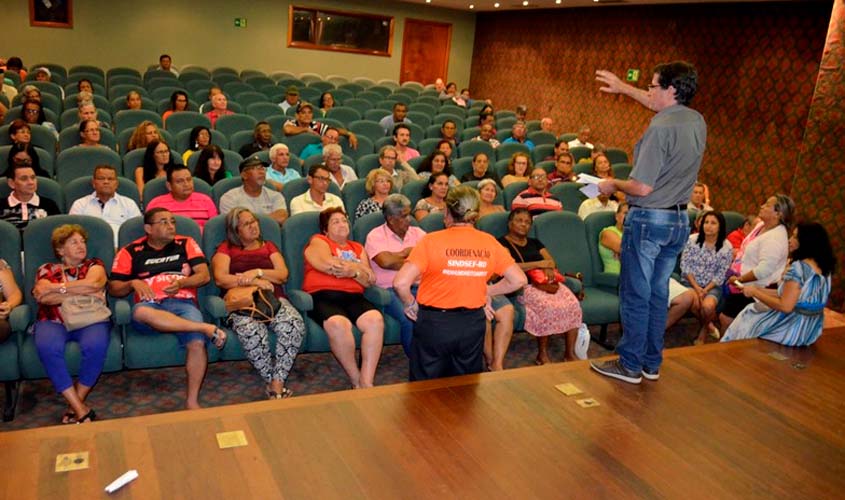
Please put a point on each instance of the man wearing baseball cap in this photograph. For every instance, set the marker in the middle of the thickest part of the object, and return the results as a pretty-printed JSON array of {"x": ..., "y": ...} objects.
[
  {"x": 304, "y": 124},
  {"x": 253, "y": 194},
  {"x": 291, "y": 98}
]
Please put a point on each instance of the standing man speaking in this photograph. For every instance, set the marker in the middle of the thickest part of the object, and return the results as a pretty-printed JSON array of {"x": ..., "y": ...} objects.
[{"x": 666, "y": 163}]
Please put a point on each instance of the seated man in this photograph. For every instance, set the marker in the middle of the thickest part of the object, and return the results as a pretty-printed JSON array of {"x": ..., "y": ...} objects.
[
  {"x": 521, "y": 112},
  {"x": 561, "y": 146},
  {"x": 219, "y": 104},
  {"x": 262, "y": 139},
  {"x": 698, "y": 200},
  {"x": 253, "y": 195},
  {"x": 449, "y": 132},
  {"x": 487, "y": 119},
  {"x": 401, "y": 139},
  {"x": 165, "y": 63},
  {"x": 402, "y": 174},
  {"x": 23, "y": 204},
  {"x": 399, "y": 115},
  {"x": 291, "y": 98},
  {"x": 279, "y": 172},
  {"x": 388, "y": 245},
  {"x": 214, "y": 90},
  {"x": 583, "y": 138},
  {"x": 547, "y": 125},
  {"x": 317, "y": 198},
  {"x": 601, "y": 203},
  {"x": 518, "y": 135},
  {"x": 340, "y": 174},
  {"x": 182, "y": 199},
  {"x": 480, "y": 170},
  {"x": 487, "y": 133},
  {"x": 304, "y": 124},
  {"x": 164, "y": 271},
  {"x": 330, "y": 136},
  {"x": 105, "y": 202},
  {"x": 537, "y": 198}
]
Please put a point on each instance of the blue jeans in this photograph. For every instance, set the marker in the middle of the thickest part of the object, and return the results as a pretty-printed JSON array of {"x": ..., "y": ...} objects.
[
  {"x": 651, "y": 242},
  {"x": 397, "y": 311},
  {"x": 184, "y": 308}
]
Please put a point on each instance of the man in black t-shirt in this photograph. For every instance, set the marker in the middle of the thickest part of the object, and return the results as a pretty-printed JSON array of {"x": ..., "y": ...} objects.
[{"x": 164, "y": 270}]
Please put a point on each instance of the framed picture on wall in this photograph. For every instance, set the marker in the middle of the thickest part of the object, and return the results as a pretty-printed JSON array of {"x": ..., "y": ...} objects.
[{"x": 51, "y": 13}]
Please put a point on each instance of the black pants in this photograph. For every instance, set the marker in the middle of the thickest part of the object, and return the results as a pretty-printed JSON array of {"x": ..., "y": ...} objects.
[{"x": 447, "y": 343}]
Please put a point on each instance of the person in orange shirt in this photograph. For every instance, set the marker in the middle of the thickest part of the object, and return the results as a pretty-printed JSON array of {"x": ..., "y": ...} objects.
[{"x": 453, "y": 267}]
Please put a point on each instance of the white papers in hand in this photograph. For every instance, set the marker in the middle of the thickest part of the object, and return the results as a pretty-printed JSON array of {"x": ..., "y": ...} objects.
[
  {"x": 588, "y": 179},
  {"x": 590, "y": 190}
]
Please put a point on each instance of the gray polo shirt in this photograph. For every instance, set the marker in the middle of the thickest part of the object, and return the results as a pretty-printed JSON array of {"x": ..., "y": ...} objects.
[
  {"x": 668, "y": 157},
  {"x": 267, "y": 202}
]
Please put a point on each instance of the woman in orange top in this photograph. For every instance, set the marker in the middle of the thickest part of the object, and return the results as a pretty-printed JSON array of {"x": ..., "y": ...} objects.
[
  {"x": 453, "y": 267},
  {"x": 336, "y": 272}
]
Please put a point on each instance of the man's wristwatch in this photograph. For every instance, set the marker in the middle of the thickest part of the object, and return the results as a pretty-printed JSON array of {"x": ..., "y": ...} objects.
[
  {"x": 260, "y": 273},
  {"x": 63, "y": 289}
]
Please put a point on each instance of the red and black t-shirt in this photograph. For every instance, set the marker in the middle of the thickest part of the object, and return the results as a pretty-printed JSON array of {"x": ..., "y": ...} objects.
[{"x": 158, "y": 268}]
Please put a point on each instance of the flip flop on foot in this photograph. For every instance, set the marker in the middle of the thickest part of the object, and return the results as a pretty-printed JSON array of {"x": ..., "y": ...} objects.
[
  {"x": 218, "y": 338},
  {"x": 713, "y": 331}
]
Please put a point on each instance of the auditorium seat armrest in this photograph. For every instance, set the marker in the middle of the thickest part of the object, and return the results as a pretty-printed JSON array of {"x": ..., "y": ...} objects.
[
  {"x": 122, "y": 312},
  {"x": 607, "y": 280},
  {"x": 575, "y": 285},
  {"x": 300, "y": 300},
  {"x": 19, "y": 318},
  {"x": 378, "y": 296},
  {"x": 215, "y": 307}
]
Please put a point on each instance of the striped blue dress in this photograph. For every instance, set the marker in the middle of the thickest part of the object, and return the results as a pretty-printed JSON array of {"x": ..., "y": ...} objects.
[{"x": 801, "y": 327}]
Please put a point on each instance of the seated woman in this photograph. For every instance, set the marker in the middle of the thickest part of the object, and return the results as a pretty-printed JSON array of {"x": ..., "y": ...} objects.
[
  {"x": 603, "y": 170},
  {"x": 210, "y": 165},
  {"x": 20, "y": 132},
  {"x": 610, "y": 241},
  {"x": 89, "y": 133},
  {"x": 25, "y": 154},
  {"x": 133, "y": 100},
  {"x": 199, "y": 138},
  {"x": 156, "y": 162},
  {"x": 247, "y": 259},
  {"x": 85, "y": 85},
  {"x": 178, "y": 102},
  {"x": 32, "y": 113},
  {"x": 10, "y": 298},
  {"x": 75, "y": 275},
  {"x": 447, "y": 147},
  {"x": 762, "y": 256},
  {"x": 704, "y": 264},
  {"x": 145, "y": 133},
  {"x": 326, "y": 103},
  {"x": 488, "y": 191},
  {"x": 336, "y": 272},
  {"x": 434, "y": 196},
  {"x": 792, "y": 315},
  {"x": 563, "y": 169},
  {"x": 379, "y": 183},
  {"x": 437, "y": 162},
  {"x": 519, "y": 168},
  {"x": 547, "y": 312}
]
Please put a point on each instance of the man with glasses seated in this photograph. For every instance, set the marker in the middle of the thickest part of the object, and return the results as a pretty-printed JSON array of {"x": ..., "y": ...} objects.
[
  {"x": 402, "y": 174},
  {"x": 23, "y": 204},
  {"x": 105, "y": 202},
  {"x": 163, "y": 271},
  {"x": 182, "y": 199},
  {"x": 317, "y": 198},
  {"x": 252, "y": 194},
  {"x": 537, "y": 198}
]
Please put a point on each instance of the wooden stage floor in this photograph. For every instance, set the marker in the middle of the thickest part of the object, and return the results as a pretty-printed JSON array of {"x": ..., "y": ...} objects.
[{"x": 724, "y": 421}]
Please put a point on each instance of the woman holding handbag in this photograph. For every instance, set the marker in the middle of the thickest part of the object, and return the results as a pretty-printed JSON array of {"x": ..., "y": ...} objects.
[
  {"x": 247, "y": 263},
  {"x": 72, "y": 307},
  {"x": 550, "y": 307}
]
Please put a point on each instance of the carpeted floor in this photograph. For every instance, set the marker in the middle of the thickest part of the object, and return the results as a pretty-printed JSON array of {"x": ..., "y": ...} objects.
[{"x": 143, "y": 392}]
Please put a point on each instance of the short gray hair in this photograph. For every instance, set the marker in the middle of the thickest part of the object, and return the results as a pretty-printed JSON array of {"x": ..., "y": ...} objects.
[
  {"x": 275, "y": 149},
  {"x": 394, "y": 205},
  {"x": 462, "y": 203},
  {"x": 331, "y": 148},
  {"x": 786, "y": 208}
]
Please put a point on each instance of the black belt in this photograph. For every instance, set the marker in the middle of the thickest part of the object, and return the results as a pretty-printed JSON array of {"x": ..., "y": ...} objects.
[
  {"x": 682, "y": 206},
  {"x": 443, "y": 309}
]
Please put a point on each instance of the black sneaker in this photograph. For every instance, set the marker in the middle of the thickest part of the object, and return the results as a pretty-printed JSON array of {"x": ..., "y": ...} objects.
[
  {"x": 650, "y": 374},
  {"x": 614, "y": 369}
]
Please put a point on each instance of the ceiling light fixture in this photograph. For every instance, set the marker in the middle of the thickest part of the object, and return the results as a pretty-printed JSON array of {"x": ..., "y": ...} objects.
[
  {"x": 496, "y": 5},
  {"x": 525, "y": 3},
  {"x": 557, "y": 2},
  {"x": 471, "y": 6}
]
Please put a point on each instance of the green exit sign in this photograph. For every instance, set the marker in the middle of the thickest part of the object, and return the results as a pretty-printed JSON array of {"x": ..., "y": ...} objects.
[
  {"x": 240, "y": 22},
  {"x": 633, "y": 75}
]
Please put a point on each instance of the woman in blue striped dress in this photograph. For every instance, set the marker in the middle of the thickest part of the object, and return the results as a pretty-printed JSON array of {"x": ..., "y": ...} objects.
[{"x": 793, "y": 315}]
